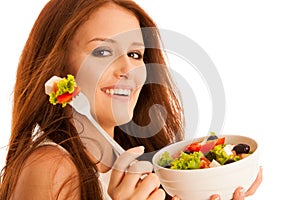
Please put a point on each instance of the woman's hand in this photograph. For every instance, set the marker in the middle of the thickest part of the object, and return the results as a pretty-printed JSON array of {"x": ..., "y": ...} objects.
[
  {"x": 126, "y": 182},
  {"x": 240, "y": 194}
]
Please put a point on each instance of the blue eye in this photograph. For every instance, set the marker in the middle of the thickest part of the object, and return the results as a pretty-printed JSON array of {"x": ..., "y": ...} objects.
[
  {"x": 135, "y": 55},
  {"x": 100, "y": 52}
]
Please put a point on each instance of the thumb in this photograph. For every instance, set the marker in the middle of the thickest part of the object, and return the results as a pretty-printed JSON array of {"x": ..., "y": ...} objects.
[{"x": 175, "y": 198}]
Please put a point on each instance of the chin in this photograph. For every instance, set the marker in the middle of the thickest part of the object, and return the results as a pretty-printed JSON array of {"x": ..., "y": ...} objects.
[{"x": 123, "y": 119}]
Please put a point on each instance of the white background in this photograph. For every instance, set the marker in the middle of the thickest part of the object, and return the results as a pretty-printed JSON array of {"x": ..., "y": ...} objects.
[{"x": 255, "y": 46}]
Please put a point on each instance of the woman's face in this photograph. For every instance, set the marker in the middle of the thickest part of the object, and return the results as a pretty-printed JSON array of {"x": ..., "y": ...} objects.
[{"x": 106, "y": 54}]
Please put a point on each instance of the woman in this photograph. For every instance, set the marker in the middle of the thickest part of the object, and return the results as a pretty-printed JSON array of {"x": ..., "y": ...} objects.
[{"x": 68, "y": 37}]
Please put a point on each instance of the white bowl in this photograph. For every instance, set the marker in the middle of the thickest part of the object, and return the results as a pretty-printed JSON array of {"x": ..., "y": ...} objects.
[{"x": 200, "y": 184}]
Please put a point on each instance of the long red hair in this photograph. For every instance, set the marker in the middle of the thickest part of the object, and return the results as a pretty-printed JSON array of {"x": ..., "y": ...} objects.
[{"x": 43, "y": 56}]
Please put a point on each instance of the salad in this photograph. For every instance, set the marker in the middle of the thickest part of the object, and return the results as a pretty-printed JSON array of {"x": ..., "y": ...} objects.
[
  {"x": 213, "y": 152},
  {"x": 61, "y": 90}
]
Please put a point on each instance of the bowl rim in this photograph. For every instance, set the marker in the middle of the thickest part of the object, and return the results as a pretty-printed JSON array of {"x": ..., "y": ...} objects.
[{"x": 240, "y": 162}]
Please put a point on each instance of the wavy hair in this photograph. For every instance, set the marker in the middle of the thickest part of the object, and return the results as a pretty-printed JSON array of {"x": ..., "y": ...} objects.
[{"x": 43, "y": 56}]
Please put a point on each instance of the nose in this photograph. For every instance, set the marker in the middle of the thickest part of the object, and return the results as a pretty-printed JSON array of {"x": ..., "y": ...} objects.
[
  {"x": 124, "y": 76},
  {"x": 123, "y": 67}
]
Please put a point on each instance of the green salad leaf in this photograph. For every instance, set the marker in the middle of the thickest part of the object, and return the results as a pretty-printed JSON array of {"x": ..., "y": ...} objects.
[
  {"x": 187, "y": 161},
  {"x": 221, "y": 156},
  {"x": 165, "y": 160},
  {"x": 65, "y": 85}
]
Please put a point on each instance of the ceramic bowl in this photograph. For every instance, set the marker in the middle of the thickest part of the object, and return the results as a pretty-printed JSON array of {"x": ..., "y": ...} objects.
[{"x": 200, "y": 184}]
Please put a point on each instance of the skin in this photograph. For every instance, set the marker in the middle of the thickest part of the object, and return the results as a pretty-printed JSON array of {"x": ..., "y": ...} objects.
[
  {"x": 44, "y": 173},
  {"x": 120, "y": 65},
  {"x": 118, "y": 60}
]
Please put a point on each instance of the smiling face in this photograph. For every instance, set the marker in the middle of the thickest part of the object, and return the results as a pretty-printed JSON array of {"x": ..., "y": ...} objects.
[{"x": 106, "y": 53}]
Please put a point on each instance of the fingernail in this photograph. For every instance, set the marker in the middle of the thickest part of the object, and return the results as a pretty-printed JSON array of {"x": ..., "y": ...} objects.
[
  {"x": 242, "y": 192},
  {"x": 217, "y": 198},
  {"x": 175, "y": 198},
  {"x": 137, "y": 150}
]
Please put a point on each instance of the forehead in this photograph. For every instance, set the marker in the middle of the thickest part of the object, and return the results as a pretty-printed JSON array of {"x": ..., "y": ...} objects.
[{"x": 110, "y": 21}]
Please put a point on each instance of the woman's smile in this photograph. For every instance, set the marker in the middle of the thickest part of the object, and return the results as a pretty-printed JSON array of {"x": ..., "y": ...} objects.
[{"x": 122, "y": 92}]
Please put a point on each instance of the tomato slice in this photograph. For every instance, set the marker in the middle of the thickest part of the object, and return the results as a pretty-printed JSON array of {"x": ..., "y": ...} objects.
[
  {"x": 67, "y": 97},
  {"x": 204, "y": 148},
  {"x": 197, "y": 146},
  {"x": 220, "y": 141},
  {"x": 194, "y": 147}
]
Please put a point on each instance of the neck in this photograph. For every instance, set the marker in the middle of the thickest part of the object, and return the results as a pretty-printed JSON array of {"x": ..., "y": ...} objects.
[{"x": 109, "y": 130}]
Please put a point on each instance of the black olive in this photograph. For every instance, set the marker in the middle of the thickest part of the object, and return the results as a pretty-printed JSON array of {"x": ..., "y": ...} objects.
[
  {"x": 229, "y": 161},
  {"x": 241, "y": 148},
  {"x": 210, "y": 156},
  {"x": 187, "y": 152},
  {"x": 212, "y": 137}
]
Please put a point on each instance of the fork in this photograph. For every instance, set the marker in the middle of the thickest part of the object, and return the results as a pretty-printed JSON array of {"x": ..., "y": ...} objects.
[{"x": 81, "y": 104}]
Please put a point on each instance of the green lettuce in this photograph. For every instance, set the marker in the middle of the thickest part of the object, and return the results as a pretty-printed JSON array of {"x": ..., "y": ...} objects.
[
  {"x": 187, "y": 161},
  {"x": 221, "y": 156},
  {"x": 165, "y": 160},
  {"x": 65, "y": 85}
]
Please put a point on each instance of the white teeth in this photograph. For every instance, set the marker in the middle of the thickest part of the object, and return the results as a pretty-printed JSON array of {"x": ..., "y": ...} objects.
[
  {"x": 121, "y": 92},
  {"x": 111, "y": 91}
]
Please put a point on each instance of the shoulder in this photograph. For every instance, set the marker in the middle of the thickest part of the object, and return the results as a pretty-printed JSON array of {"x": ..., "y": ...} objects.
[{"x": 48, "y": 173}]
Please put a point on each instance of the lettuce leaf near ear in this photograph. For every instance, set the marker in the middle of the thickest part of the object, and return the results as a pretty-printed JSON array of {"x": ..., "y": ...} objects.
[{"x": 63, "y": 91}]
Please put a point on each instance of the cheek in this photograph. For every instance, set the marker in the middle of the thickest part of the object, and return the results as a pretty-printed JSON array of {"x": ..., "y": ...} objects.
[
  {"x": 90, "y": 72},
  {"x": 136, "y": 95},
  {"x": 140, "y": 75},
  {"x": 73, "y": 65},
  {"x": 134, "y": 100}
]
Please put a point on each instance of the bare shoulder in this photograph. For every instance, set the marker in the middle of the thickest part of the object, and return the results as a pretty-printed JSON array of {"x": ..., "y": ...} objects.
[{"x": 48, "y": 173}]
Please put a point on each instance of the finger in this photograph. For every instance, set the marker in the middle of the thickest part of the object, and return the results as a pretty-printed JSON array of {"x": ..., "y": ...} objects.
[
  {"x": 215, "y": 197},
  {"x": 256, "y": 183},
  {"x": 147, "y": 186},
  {"x": 122, "y": 163},
  {"x": 140, "y": 167},
  {"x": 239, "y": 194},
  {"x": 158, "y": 194},
  {"x": 175, "y": 198},
  {"x": 134, "y": 173}
]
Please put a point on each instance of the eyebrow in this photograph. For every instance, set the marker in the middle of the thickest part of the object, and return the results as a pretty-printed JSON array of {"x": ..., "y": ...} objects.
[
  {"x": 138, "y": 44},
  {"x": 114, "y": 41},
  {"x": 102, "y": 39}
]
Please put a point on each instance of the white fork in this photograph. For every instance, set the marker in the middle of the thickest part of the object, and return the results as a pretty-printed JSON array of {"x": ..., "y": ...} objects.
[{"x": 81, "y": 104}]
